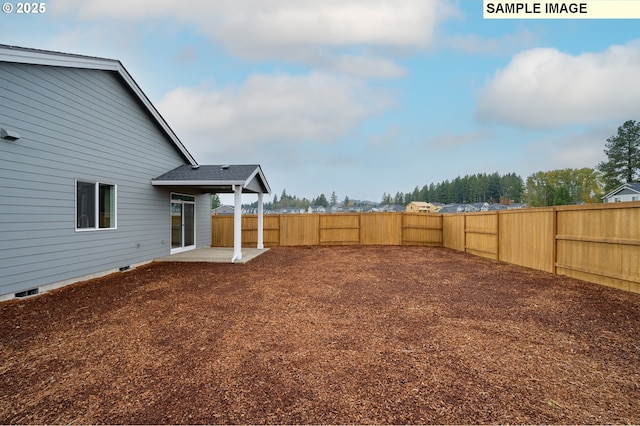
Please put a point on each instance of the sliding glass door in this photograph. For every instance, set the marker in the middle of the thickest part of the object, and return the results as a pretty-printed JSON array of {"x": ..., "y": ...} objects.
[{"x": 183, "y": 222}]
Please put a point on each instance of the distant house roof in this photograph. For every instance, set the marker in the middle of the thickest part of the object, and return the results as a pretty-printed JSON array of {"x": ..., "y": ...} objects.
[
  {"x": 478, "y": 206},
  {"x": 453, "y": 208},
  {"x": 497, "y": 206},
  {"x": 515, "y": 206},
  {"x": 24, "y": 55},
  {"x": 216, "y": 178},
  {"x": 223, "y": 210},
  {"x": 633, "y": 187},
  {"x": 392, "y": 208}
]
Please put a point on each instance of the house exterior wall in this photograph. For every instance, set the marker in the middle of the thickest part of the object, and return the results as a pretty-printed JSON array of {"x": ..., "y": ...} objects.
[
  {"x": 78, "y": 124},
  {"x": 622, "y": 196},
  {"x": 420, "y": 207},
  {"x": 203, "y": 220}
]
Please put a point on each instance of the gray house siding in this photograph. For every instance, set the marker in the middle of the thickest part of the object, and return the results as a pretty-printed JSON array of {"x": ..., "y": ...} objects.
[
  {"x": 626, "y": 191},
  {"x": 79, "y": 124},
  {"x": 203, "y": 221}
]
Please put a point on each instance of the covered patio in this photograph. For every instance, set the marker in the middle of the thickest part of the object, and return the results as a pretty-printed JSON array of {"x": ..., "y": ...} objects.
[
  {"x": 213, "y": 255},
  {"x": 222, "y": 179}
]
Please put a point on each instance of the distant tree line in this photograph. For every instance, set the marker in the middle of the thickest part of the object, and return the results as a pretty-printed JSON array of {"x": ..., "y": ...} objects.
[
  {"x": 544, "y": 188},
  {"x": 556, "y": 187},
  {"x": 480, "y": 187},
  {"x": 286, "y": 201}
]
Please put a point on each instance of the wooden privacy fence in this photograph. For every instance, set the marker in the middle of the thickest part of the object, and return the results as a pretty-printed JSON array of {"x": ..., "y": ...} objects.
[
  {"x": 332, "y": 229},
  {"x": 597, "y": 243}
]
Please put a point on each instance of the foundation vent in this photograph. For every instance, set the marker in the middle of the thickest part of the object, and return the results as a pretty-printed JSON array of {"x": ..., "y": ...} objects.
[{"x": 27, "y": 293}]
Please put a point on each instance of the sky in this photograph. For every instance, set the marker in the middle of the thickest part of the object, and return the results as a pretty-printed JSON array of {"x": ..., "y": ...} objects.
[{"x": 361, "y": 97}]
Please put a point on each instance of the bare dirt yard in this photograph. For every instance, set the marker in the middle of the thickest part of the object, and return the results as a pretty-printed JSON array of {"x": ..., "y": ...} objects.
[{"x": 324, "y": 335}]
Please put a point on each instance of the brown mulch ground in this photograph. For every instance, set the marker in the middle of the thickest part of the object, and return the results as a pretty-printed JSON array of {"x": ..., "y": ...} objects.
[{"x": 324, "y": 335}]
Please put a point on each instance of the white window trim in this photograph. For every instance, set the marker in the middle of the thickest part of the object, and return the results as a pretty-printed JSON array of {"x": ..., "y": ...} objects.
[{"x": 97, "y": 205}]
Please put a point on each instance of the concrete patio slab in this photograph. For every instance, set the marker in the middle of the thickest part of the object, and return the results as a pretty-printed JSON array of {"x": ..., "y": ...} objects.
[{"x": 213, "y": 255}]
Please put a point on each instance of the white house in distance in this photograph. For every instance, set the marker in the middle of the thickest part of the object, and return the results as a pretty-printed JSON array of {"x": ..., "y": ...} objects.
[
  {"x": 92, "y": 178},
  {"x": 625, "y": 192}
]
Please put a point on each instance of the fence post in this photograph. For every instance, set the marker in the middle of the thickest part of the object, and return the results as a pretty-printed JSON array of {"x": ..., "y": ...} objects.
[
  {"x": 554, "y": 241},
  {"x": 497, "y": 235},
  {"x": 464, "y": 232},
  {"x": 279, "y": 231}
]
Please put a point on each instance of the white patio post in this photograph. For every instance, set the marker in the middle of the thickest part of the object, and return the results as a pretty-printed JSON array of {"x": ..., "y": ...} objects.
[
  {"x": 260, "y": 224},
  {"x": 237, "y": 223}
]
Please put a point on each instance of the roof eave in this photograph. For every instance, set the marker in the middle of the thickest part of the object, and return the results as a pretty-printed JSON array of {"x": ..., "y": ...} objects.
[
  {"x": 44, "y": 57},
  {"x": 197, "y": 182},
  {"x": 258, "y": 171},
  {"x": 154, "y": 112},
  {"x": 626, "y": 185}
]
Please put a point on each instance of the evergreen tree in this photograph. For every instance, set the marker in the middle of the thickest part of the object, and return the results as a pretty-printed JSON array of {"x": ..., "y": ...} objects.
[
  {"x": 424, "y": 194},
  {"x": 215, "y": 201},
  {"x": 334, "y": 198},
  {"x": 494, "y": 188},
  {"x": 415, "y": 195},
  {"x": 623, "y": 153},
  {"x": 321, "y": 201},
  {"x": 399, "y": 198},
  {"x": 442, "y": 193},
  {"x": 512, "y": 188}
]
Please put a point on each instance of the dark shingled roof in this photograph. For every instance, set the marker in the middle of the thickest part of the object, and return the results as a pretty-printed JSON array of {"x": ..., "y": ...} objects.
[
  {"x": 210, "y": 172},
  {"x": 216, "y": 178}
]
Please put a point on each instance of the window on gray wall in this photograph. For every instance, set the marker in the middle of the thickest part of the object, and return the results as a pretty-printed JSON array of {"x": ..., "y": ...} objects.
[{"x": 95, "y": 205}]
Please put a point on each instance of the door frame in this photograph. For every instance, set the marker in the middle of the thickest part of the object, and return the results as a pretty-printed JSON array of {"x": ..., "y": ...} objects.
[{"x": 182, "y": 200}]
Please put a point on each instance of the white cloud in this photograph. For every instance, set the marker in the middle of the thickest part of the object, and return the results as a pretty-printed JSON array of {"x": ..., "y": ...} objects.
[
  {"x": 294, "y": 30},
  {"x": 269, "y": 110},
  {"x": 543, "y": 88},
  {"x": 254, "y": 24}
]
